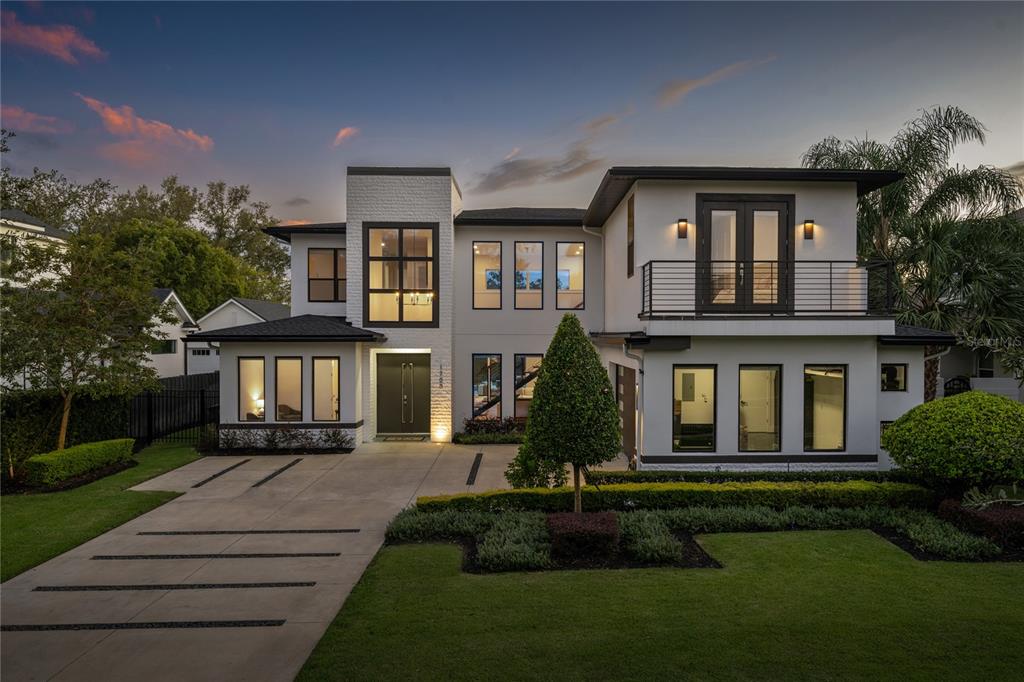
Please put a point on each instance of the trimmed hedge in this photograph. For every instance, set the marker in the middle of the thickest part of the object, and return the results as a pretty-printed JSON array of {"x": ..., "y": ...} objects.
[
  {"x": 608, "y": 477},
  {"x": 57, "y": 467},
  {"x": 488, "y": 438},
  {"x": 515, "y": 542},
  {"x": 629, "y": 496}
]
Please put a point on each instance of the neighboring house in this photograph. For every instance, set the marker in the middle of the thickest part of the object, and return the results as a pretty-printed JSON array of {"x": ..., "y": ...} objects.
[
  {"x": 204, "y": 357},
  {"x": 737, "y": 326},
  {"x": 168, "y": 358},
  {"x": 15, "y": 224}
]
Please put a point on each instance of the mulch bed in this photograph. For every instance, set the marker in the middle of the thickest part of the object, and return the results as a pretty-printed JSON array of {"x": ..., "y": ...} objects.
[{"x": 17, "y": 488}]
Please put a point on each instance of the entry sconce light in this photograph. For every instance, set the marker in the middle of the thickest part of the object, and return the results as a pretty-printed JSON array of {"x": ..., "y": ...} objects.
[
  {"x": 809, "y": 229},
  {"x": 681, "y": 228}
]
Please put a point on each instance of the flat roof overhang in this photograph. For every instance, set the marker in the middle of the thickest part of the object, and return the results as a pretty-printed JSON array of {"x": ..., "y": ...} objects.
[{"x": 642, "y": 341}]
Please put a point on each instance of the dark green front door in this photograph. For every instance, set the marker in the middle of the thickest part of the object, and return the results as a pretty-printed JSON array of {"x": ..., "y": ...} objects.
[{"x": 403, "y": 393}]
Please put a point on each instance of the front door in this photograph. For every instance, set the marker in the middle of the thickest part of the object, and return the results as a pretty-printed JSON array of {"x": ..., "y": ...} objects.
[
  {"x": 743, "y": 261},
  {"x": 403, "y": 393}
]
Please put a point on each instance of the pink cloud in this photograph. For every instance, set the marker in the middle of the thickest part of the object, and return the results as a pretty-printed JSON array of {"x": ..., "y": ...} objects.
[
  {"x": 133, "y": 153},
  {"x": 16, "y": 118},
  {"x": 344, "y": 134},
  {"x": 62, "y": 41},
  {"x": 124, "y": 122}
]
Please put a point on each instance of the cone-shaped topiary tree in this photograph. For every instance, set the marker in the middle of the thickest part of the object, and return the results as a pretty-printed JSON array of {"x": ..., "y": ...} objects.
[{"x": 573, "y": 417}]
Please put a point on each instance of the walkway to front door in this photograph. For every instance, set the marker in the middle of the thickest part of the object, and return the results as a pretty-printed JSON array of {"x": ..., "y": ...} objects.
[{"x": 403, "y": 393}]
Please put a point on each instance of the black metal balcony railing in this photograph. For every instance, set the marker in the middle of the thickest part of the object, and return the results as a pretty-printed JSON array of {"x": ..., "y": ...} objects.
[{"x": 678, "y": 288}]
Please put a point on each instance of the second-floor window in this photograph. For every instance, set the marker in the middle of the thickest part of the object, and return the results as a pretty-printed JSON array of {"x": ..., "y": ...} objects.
[
  {"x": 401, "y": 286},
  {"x": 326, "y": 272},
  {"x": 630, "y": 233},
  {"x": 570, "y": 275},
  {"x": 487, "y": 275},
  {"x": 529, "y": 275}
]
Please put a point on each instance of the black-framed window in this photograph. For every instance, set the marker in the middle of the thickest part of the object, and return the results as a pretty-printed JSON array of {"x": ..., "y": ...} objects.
[
  {"x": 825, "y": 408},
  {"x": 894, "y": 376},
  {"x": 200, "y": 351},
  {"x": 326, "y": 389},
  {"x": 165, "y": 347},
  {"x": 694, "y": 407},
  {"x": 288, "y": 389},
  {"x": 486, "y": 386},
  {"x": 529, "y": 275},
  {"x": 570, "y": 275},
  {"x": 251, "y": 385},
  {"x": 760, "y": 408},
  {"x": 401, "y": 275},
  {"x": 487, "y": 275},
  {"x": 327, "y": 278},
  {"x": 527, "y": 366},
  {"x": 630, "y": 236},
  {"x": 986, "y": 364}
]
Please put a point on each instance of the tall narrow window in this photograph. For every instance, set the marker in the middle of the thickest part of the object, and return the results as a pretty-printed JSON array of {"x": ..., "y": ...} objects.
[
  {"x": 570, "y": 276},
  {"x": 486, "y": 386},
  {"x": 693, "y": 408},
  {"x": 630, "y": 234},
  {"x": 760, "y": 408},
  {"x": 487, "y": 275},
  {"x": 250, "y": 390},
  {"x": 824, "y": 407},
  {"x": 401, "y": 286},
  {"x": 326, "y": 390},
  {"x": 288, "y": 389},
  {"x": 527, "y": 368},
  {"x": 530, "y": 275},
  {"x": 327, "y": 278}
]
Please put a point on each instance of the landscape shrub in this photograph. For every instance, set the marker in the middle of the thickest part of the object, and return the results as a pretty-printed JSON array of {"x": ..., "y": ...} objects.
[
  {"x": 57, "y": 467},
  {"x": 1003, "y": 524},
  {"x": 577, "y": 536},
  {"x": 479, "y": 427},
  {"x": 647, "y": 539},
  {"x": 969, "y": 439},
  {"x": 336, "y": 439},
  {"x": 512, "y": 438},
  {"x": 609, "y": 477},
  {"x": 515, "y": 542},
  {"x": 415, "y": 525},
  {"x": 625, "y": 497}
]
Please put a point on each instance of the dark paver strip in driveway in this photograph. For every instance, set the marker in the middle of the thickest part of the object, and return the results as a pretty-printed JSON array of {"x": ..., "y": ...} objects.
[
  {"x": 145, "y": 626},
  {"x": 166, "y": 587},
  {"x": 219, "y": 474},
  {"x": 276, "y": 473},
  {"x": 475, "y": 469},
  {"x": 249, "y": 532}
]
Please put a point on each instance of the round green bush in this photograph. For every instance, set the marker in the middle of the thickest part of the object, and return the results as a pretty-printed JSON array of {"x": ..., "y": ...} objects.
[{"x": 973, "y": 438}]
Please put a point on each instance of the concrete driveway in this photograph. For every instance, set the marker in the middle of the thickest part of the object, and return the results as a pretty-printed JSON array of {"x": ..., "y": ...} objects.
[{"x": 238, "y": 578}]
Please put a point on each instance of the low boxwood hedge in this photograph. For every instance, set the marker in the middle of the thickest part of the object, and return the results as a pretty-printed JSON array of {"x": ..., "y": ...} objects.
[
  {"x": 629, "y": 496},
  {"x": 513, "y": 438},
  {"x": 608, "y": 477},
  {"x": 55, "y": 468}
]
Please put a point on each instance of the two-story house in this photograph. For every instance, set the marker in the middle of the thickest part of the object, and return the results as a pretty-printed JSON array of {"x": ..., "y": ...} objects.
[{"x": 737, "y": 325}]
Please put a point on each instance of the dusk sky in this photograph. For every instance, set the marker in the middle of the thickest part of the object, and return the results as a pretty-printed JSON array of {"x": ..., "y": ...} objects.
[{"x": 528, "y": 103}]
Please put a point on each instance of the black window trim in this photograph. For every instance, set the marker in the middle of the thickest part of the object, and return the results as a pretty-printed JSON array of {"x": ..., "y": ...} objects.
[
  {"x": 472, "y": 384},
  {"x": 846, "y": 404},
  {"x": 739, "y": 373},
  {"x": 630, "y": 236},
  {"x": 515, "y": 375},
  {"x": 334, "y": 278},
  {"x": 238, "y": 387},
  {"x": 433, "y": 259},
  {"x": 584, "y": 245},
  {"x": 906, "y": 377},
  {"x": 277, "y": 402},
  {"x": 312, "y": 387},
  {"x": 515, "y": 290},
  {"x": 714, "y": 409},
  {"x": 501, "y": 272}
]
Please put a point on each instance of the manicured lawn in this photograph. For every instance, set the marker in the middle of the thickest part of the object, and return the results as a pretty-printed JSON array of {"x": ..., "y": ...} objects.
[
  {"x": 39, "y": 527},
  {"x": 795, "y": 605}
]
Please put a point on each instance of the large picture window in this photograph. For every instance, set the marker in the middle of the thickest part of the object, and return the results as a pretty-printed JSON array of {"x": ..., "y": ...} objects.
[
  {"x": 486, "y": 386},
  {"x": 824, "y": 407},
  {"x": 526, "y": 369},
  {"x": 251, "y": 406},
  {"x": 760, "y": 411},
  {"x": 570, "y": 275},
  {"x": 326, "y": 390},
  {"x": 693, "y": 408},
  {"x": 530, "y": 275},
  {"x": 401, "y": 286},
  {"x": 487, "y": 275},
  {"x": 288, "y": 389},
  {"x": 326, "y": 271}
]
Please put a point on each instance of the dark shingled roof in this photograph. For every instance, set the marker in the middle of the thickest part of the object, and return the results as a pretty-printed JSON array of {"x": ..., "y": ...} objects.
[
  {"x": 520, "y": 216},
  {"x": 617, "y": 181},
  {"x": 161, "y": 293},
  {"x": 908, "y": 335},
  {"x": 14, "y": 215},
  {"x": 285, "y": 232},
  {"x": 268, "y": 310},
  {"x": 298, "y": 328}
]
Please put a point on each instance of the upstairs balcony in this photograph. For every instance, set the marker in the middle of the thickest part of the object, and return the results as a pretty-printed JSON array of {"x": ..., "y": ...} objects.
[{"x": 686, "y": 289}]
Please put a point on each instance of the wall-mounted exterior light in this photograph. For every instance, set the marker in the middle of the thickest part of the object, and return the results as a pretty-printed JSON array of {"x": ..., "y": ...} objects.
[
  {"x": 681, "y": 228},
  {"x": 809, "y": 229}
]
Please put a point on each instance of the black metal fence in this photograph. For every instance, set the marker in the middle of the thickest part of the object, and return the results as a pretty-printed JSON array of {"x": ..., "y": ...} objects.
[{"x": 179, "y": 413}]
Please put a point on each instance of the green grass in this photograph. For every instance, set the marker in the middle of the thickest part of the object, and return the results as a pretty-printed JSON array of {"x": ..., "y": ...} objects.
[
  {"x": 39, "y": 527},
  {"x": 810, "y": 605}
]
